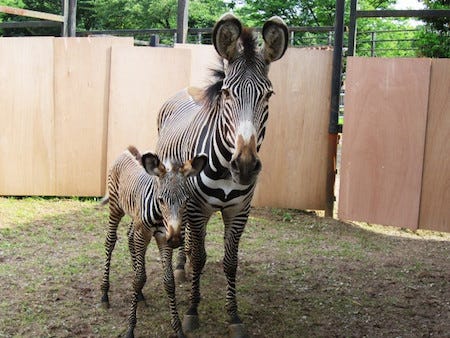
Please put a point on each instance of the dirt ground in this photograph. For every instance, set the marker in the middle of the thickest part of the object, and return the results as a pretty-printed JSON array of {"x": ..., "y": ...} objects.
[{"x": 299, "y": 275}]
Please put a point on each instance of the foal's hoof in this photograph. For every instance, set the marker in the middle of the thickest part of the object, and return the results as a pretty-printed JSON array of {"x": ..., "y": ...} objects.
[
  {"x": 237, "y": 331},
  {"x": 180, "y": 276},
  {"x": 190, "y": 323},
  {"x": 130, "y": 333}
]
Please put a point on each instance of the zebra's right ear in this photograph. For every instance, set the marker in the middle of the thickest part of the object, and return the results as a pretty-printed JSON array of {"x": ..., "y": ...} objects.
[
  {"x": 225, "y": 35},
  {"x": 153, "y": 165}
]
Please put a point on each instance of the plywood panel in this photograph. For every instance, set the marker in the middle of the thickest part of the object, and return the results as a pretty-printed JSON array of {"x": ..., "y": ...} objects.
[
  {"x": 435, "y": 202},
  {"x": 142, "y": 79},
  {"x": 203, "y": 59},
  {"x": 294, "y": 152},
  {"x": 27, "y": 117},
  {"x": 383, "y": 140},
  {"x": 82, "y": 69}
]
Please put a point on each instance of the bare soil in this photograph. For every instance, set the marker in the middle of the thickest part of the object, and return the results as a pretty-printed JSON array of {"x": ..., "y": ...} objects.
[{"x": 299, "y": 275}]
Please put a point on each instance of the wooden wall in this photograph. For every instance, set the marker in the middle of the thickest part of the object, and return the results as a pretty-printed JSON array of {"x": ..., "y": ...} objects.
[
  {"x": 54, "y": 103},
  {"x": 386, "y": 142}
]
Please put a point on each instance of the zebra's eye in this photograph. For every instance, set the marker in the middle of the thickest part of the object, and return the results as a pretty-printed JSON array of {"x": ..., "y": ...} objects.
[
  {"x": 269, "y": 94},
  {"x": 226, "y": 93}
]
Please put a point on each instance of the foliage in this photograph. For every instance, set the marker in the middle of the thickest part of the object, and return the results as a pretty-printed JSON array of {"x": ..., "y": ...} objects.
[{"x": 434, "y": 39}]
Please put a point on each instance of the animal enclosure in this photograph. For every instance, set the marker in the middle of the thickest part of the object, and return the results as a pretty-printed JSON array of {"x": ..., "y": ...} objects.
[
  {"x": 69, "y": 110},
  {"x": 78, "y": 105}
]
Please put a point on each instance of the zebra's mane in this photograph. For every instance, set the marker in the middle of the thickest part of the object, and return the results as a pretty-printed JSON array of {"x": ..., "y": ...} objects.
[{"x": 248, "y": 41}]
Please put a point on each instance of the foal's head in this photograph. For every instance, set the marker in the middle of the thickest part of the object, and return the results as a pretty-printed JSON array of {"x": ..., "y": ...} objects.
[{"x": 172, "y": 191}]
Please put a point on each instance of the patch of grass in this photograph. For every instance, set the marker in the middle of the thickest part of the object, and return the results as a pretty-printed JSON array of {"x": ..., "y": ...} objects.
[{"x": 299, "y": 275}]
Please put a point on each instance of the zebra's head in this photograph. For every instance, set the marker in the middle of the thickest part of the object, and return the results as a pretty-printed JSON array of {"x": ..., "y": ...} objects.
[
  {"x": 172, "y": 191},
  {"x": 246, "y": 90}
]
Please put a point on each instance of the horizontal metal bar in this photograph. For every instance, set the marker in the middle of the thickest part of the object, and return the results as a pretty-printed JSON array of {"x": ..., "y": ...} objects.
[
  {"x": 410, "y": 13},
  {"x": 29, "y": 24},
  {"x": 31, "y": 14}
]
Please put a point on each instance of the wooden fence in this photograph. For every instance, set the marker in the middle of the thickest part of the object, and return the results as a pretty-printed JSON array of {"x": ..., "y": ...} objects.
[
  {"x": 76, "y": 104},
  {"x": 395, "y": 150}
]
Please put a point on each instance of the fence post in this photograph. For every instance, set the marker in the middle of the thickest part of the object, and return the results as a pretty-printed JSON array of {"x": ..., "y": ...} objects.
[
  {"x": 373, "y": 36},
  {"x": 352, "y": 29},
  {"x": 182, "y": 21},
  {"x": 333, "y": 128}
]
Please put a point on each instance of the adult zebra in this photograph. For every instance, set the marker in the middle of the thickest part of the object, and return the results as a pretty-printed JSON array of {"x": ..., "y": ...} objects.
[{"x": 227, "y": 122}]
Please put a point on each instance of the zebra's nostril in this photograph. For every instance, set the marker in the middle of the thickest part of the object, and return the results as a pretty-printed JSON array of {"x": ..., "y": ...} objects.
[{"x": 258, "y": 166}]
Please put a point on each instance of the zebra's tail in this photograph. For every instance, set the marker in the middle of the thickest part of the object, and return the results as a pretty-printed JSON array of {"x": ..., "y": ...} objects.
[
  {"x": 133, "y": 150},
  {"x": 105, "y": 200}
]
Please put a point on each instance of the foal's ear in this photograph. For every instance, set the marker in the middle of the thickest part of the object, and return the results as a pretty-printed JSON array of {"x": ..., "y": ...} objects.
[
  {"x": 194, "y": 166},
  {"x": 225, "y": 35},
  {"x": 153, "y": 165},
  {"x": 275, "y": 35}
]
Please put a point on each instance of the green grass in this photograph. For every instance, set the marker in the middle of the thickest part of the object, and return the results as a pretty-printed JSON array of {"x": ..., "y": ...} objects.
[{"x": 299, "y": 276}]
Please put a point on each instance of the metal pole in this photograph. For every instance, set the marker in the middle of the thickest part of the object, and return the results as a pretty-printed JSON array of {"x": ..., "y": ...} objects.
[
  {"x": 182, "y": 21},
  {"x": 333, "y": 128},
  {"x": 72, "y": 18},
  {"x": 352, "y": 29},
  {"x": 65, "y": 30}
]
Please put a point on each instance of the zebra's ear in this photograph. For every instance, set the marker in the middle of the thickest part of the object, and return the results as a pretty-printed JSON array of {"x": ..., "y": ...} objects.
[
  {"x": 194, "y": 166},
  {"x": 225, "y": 35},
  {"x": 153, "y": 165},
  {"x": 275, "y": 34}
]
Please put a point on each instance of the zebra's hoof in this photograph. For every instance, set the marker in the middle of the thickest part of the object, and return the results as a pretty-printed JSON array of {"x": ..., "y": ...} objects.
[
  {"x": 190, "y": 323},
  {"x": 237, "y": 331},
  {"x": 180, "y": 276},
  {"x": 130, "y": 333},
  {"x": 105, "y": 304}
]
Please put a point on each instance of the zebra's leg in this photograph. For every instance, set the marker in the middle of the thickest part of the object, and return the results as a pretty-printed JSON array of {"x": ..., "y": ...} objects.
[
  {"x": 115, "y": 215},
  {"x": 130, "y": 234},
  {"x": 141, "y": 241},
  {"x": 197, "y": 256},
  {"x": 180, "y": 272},
  {"x": 169, "y": 282},
  {"x": 234, "y": 227}
]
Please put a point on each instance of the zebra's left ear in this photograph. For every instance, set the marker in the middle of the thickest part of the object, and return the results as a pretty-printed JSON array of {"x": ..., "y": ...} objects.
[
  {"x": 153, "y": 165},
  {"x": 275, "y": 34},
  {"x": 194, "y": 166}
]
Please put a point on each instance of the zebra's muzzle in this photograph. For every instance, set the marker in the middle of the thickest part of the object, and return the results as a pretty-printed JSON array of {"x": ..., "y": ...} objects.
[{"x": 173, "y": 237}]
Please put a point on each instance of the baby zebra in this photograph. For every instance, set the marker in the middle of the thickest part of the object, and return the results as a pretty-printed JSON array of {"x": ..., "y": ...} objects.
[{"x": 154, "y": 195}]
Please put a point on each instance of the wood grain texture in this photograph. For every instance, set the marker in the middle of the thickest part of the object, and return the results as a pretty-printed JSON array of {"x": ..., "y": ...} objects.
[
  {"x": 383, "y": 140},
  {"x": 141, "y": 80},
  {"x": 435, "y": 201},
  {"x": 295, "y": 149},
  {"x": 82, "y": 71},
  {"x": 27, "y": 165},
  {"x": 203, "y": 59}
]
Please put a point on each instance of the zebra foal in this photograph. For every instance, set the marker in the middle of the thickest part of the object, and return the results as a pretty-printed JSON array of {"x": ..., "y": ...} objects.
[
  {"x": 227, "y": 121},
  {"x": 154, "y": 194}
]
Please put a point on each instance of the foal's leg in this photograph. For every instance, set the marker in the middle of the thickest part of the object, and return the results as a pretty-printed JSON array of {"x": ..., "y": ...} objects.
[
  {"x": 115, "y": 215},
  {"x": 141, "y": 240},
  {"x": 130, "y": 234},
  {"x": 169, "y": 282}
]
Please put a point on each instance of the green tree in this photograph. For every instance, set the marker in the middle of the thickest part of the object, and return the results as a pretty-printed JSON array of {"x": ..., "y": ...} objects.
[{"x": 434, "y": 38}]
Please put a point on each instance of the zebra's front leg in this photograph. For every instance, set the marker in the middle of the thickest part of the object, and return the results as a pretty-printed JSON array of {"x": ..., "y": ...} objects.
[
  {"x": 111, "y": 238},
  {"x": 233, "y": 230},
  {"x": 130, "y": 234},
  {"x": 140, "y": 246},
  {"x": 197, "y": 257},
  {"x": 169, "y": 283}
]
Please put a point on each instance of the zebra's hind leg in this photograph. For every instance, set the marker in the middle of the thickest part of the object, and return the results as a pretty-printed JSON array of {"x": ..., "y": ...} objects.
[
  {"x": 115, "y": 216},
  {"x": 130, "y": 234},
  {"x": 180, "y": 272},
  {"x": 140, "y": 244}
]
